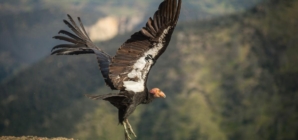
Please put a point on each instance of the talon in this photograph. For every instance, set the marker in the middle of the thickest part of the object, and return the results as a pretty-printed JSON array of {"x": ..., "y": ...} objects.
[{"x": 127, "y": 136}]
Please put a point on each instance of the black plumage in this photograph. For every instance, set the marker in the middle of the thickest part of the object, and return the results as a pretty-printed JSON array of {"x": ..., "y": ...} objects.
[{"x": 127, "y": 71}]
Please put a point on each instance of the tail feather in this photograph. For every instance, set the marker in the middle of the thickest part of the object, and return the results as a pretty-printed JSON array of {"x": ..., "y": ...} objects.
[{"x": 109, "y": 97}]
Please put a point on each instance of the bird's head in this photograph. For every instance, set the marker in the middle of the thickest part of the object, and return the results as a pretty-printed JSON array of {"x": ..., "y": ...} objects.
[{"x": 157, "y": 93}]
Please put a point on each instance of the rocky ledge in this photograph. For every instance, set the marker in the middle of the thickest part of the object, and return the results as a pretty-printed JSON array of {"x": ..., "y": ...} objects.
[{"x": 32, "y": 138}]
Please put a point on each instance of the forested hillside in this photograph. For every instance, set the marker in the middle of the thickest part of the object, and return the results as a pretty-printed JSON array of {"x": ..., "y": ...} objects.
[
  {"x": 226, "y": 78},
  {"x": 26, "y": 26}
]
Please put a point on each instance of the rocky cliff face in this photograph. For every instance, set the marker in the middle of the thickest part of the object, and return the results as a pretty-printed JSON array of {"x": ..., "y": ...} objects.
[
  {"x": 104, "y": 29},
  {"x": 108, "y": 27}
]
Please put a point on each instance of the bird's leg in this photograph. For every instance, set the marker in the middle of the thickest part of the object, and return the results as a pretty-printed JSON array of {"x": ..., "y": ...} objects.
[
  {"x": 126, "y": 134},
  {"x": 130, "y": 128}
]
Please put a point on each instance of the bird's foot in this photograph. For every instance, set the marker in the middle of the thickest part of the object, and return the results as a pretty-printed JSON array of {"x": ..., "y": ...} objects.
[
  {"x": 127, "y": 137},
  {"x": 128, "y": 130}
]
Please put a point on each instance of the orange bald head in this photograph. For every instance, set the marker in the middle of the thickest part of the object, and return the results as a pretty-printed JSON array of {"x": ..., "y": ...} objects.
[{"x": 157, "y": 93}]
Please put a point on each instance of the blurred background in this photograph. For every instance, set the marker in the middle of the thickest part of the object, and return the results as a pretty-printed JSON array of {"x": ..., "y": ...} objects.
[{"x": 230, "y": 71}]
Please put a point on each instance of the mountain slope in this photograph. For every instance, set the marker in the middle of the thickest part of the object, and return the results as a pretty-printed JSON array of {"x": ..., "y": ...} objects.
[
  {"x": 232, "y": 77},
  {"x": 27, "y": 26}
]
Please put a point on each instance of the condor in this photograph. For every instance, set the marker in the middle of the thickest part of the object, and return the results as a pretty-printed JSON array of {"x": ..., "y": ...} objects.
[{"x": 127, "y": 71}]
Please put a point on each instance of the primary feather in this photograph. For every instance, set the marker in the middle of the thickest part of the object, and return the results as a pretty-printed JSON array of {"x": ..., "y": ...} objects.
[
  {"x": 82, "y": 45},
  {"x": 128, "y": 70}
]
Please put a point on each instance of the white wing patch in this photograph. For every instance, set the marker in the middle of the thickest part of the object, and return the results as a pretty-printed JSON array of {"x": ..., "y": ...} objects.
[
  {"x": 140, "y": 70},
  {"x": 142, "y": 67}
]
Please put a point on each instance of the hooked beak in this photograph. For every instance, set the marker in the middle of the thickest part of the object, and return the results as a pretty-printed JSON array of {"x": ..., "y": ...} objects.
[{"x": 161, "y": 95}]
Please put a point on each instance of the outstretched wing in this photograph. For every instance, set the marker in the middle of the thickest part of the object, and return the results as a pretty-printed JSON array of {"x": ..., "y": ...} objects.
[
  {"x": 81, "y": 44},
  {"x": 131, "y": 64}
]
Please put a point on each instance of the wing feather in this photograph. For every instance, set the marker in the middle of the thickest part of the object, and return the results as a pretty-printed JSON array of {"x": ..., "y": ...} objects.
[
  {"x": 82, "y": 45},
  {"x": 131, "y": 64},
  {"x": 150, "y": 26},
  {"x": 155, "y": 21},
  {"x": 146, "y": 33},
  {"x": 81, "y": 24},
  {"x": 66, "y": 39},
  {"x": 70, "y": 35},
  {"x": 75, "y": 27},
  {"x": 66, "y": 46}
]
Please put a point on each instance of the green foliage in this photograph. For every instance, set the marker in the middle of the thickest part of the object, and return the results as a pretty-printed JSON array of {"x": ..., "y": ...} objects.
[
  {"x": 228, "y": 78},
  {"x": 27, "y": 25}
]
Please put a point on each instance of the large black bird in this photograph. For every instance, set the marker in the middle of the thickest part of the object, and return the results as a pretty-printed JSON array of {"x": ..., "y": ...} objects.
[{"x": 127, "y": 71}]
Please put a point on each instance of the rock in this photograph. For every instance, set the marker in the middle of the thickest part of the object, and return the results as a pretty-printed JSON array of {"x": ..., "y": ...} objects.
[{"x": 32, "y": 138}]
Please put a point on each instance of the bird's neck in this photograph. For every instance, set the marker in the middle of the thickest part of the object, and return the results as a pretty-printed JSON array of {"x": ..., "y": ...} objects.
[
  {"x": 149, "y": 98},
  {"x": 142, "y": 97}
]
